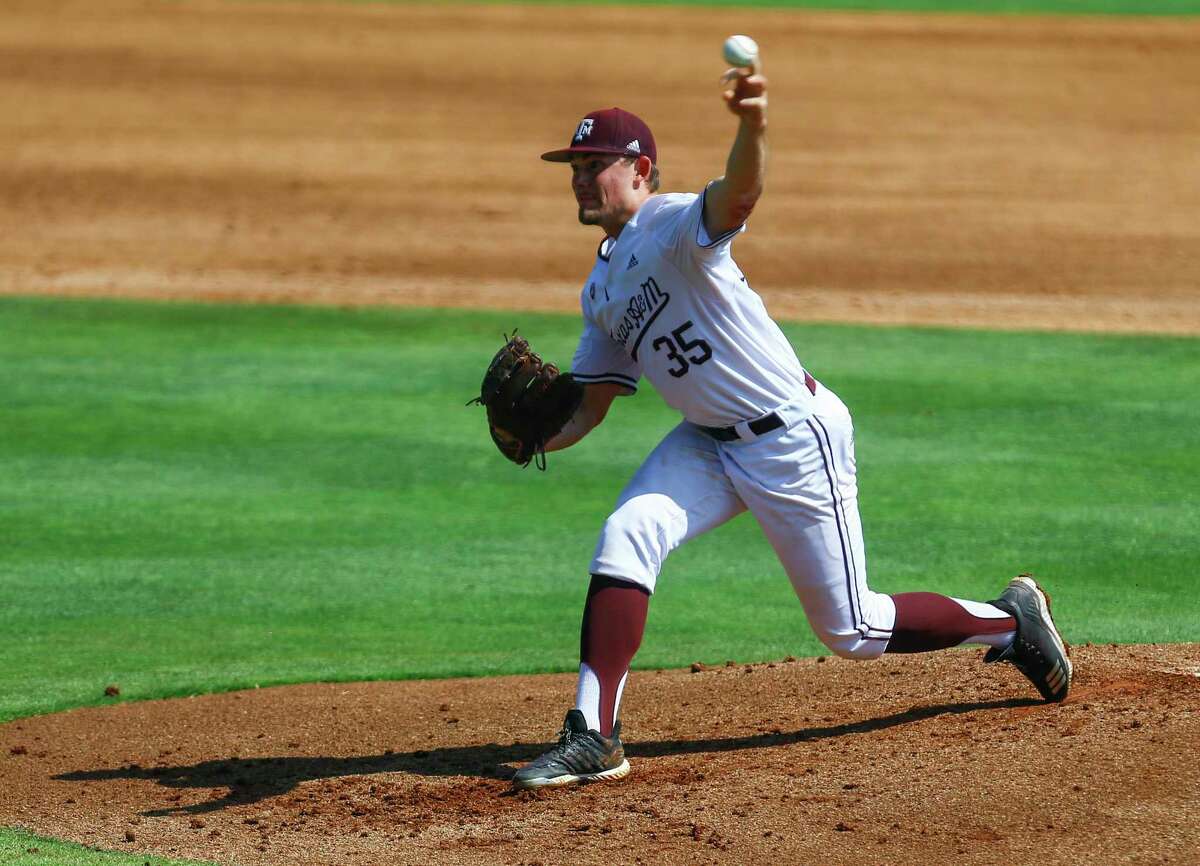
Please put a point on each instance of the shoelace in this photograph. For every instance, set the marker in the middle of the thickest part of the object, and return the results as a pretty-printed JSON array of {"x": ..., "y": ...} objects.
[{"x": 569, "y": 743}]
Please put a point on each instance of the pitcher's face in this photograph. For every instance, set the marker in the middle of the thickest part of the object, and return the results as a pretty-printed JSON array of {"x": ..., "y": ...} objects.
[{"x": 606, "y": 189}]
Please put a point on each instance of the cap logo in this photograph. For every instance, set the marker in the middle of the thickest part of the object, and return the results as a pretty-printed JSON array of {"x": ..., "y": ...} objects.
[
  {"x": 584, "y": 129},
  {"x": 634, "y": 146}
]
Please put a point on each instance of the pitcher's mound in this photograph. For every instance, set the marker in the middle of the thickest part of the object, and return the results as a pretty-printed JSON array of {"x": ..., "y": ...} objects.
[{"x": 932, "y": 759}]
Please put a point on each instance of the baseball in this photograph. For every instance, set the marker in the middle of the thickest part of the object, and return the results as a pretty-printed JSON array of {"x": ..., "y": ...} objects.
[{"x": 740, "y": 51}]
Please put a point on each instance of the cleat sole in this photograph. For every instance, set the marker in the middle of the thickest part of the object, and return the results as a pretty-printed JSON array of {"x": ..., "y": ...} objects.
[{"x": 618, "y": 772}]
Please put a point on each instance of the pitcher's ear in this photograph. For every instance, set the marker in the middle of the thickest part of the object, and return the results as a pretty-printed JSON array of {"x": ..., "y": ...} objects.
[{"x": 642, "y": 166}]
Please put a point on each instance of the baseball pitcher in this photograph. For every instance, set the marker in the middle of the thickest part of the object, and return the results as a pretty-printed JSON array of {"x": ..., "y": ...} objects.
[{"x": 666, "y": 300}]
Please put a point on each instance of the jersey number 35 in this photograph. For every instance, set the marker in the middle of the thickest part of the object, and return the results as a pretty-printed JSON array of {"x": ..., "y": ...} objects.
[{"x": 678, "y": 346}]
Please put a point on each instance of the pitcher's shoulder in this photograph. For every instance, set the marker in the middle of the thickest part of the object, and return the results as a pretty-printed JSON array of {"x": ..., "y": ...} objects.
[{"x": 664, "y": 205}]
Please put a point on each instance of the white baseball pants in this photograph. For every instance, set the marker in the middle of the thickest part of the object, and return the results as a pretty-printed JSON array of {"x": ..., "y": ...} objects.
[{"x": 798, "y": 481}]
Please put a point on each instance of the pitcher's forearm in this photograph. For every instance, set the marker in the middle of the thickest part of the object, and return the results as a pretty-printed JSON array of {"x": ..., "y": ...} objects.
[
  {"x": 597, "y": 399},
  {"x": 745, "y": 170},
  {"x": 578, "y": 427},
  {"x": 730, "y": 199}
]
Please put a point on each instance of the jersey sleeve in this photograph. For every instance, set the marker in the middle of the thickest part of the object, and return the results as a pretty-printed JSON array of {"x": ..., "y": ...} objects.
[
  {"x": 599, "y": 359},
  {"x": 697, "y": 234},
  {"x": 680, "y": 226}
]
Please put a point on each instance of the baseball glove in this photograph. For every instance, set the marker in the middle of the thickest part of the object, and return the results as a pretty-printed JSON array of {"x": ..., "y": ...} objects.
[{"x": 528, "y": 401}]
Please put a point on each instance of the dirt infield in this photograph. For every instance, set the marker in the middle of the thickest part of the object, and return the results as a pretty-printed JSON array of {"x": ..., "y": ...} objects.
[
  {"x": 1033, "y": 173},
  {"x": 931, "y": 759}
]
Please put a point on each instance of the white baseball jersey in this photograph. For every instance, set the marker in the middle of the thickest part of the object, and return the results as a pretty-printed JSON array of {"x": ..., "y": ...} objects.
[{"x": 666, "y": 301}]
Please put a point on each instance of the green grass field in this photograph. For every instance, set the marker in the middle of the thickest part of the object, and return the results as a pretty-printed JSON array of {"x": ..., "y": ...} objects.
[{"x": 198, "y": 497}]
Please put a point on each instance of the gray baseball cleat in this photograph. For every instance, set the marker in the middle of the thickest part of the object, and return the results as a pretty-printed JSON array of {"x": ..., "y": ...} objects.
[
  {"x": 581, "y": 755},
  {"x": 1039, "y": 651}
]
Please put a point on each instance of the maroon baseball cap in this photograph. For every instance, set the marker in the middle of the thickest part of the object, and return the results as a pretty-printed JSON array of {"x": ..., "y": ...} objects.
[{"x": 610, "y": 130}]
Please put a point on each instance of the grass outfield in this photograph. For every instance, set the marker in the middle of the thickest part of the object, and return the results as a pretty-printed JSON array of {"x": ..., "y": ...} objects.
[{"x": 204, "y": 497}]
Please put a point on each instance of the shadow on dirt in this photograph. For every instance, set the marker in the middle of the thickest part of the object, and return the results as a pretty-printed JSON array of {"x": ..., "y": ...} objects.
[{"x": 249, "y": 780}]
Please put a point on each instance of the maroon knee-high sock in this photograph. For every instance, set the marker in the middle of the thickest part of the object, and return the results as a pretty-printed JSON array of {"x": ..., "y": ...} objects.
[
  {"x": 928, "y": 621},
  {"x": 614, "y": 619}
]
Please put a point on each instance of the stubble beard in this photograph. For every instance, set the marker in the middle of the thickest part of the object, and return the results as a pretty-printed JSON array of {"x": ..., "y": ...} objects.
[{"x": 589, "y": 216}]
